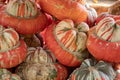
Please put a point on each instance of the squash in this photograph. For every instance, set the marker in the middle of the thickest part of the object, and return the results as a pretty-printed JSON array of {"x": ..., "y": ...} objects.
[
  {"x": 12, "y": 49},
  {"x": 104, "y": 41},
  {"x": 93, "y": 70},
  {"x": 23, "y": 16},
  {"x": 68, "y": 42},
  {"x": 64, "y": 9},
  {"x": 46, "y": 71},
  {"x": 6, "y": 75},
  {"x": 39, "y": 66},
  {"x": 37, "y": 71}
]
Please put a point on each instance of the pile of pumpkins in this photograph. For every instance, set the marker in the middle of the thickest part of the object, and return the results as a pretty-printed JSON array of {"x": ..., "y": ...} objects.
[{"x": 57, "y": 40}]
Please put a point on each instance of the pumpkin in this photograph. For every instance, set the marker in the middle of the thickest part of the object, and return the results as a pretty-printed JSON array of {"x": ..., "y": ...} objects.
[
  {"x": 92, "y": 15},
  {"x": 93, "y": 70},
  {"x": 104, "y": 41},
  {"x": 62, "y": 9},
  {"x": 39, "y": 64},
  {"x": 37, "y": 71},
  {"x": 6, "y": 75},
  {"x": 68, "y": 42},
  {"x": 23, "y": 16},
  {"x": 12, "y": 49}
]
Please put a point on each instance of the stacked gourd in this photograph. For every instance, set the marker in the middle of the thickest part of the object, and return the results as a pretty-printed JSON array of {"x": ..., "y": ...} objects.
[{"x": 45, "y": 39}]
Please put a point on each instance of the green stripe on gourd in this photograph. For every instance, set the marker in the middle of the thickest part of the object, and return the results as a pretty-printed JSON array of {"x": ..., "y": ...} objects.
[
  {"x": 93, "y": 70},
  {"x": 22, "y": 8},
  {"x": 108, "y": 29}
]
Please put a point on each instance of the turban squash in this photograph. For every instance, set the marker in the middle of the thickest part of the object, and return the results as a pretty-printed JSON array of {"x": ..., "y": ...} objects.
[
  {"x": 64, "y": 9},
  {"x": 12, "y": 49},
  {"x": 23, "y": 16},
  {"x": 66, "y": 42},
  {"x": 39, "y": 66},
  {"x": 93, "y": 70},
  {"x": 103, "y": 39}
]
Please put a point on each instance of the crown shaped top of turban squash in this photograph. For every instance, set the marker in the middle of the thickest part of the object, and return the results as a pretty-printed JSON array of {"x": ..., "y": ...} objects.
[{"x": 22, "y": 8}]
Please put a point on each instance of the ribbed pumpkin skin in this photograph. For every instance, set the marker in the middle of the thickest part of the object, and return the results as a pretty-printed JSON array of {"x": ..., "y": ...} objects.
[
  {"x": 37, "y": 55},
  {"x": 103, "y": 40},
  {"x": 37, "y": 66},
  {"x": 14, "y": 56},
  {"x": 22, "y": 8},
  {"x": 67, "y": 42},
  {"x": 31, "y": 22},
  {"x": 8, "y": 38},
  {"x": 64, "y": 9},
  {"x": 6, "y": 75},
  {"x": 93, "y": 70},
  {"x": 108, "y": 29}
]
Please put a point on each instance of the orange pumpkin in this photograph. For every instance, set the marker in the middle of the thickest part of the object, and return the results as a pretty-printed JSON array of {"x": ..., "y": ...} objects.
[
  {"x": 62, "y": 9},
  {"x": 23, "y": 16},
  {"x": 104, "y": 41},
  {"x": 66, "y": 42},
  {"x": 12, "y": 50}
]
